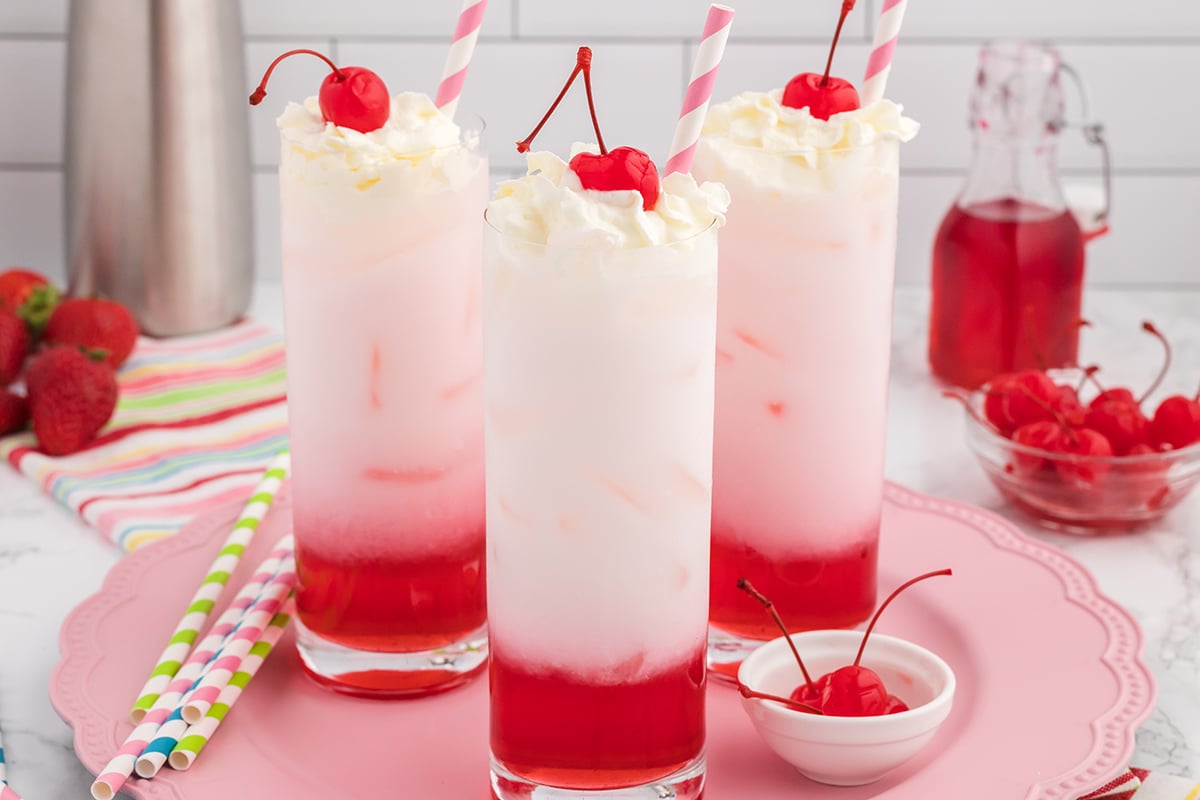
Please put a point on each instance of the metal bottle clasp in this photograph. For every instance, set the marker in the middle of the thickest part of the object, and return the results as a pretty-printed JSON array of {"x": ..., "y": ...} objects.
[{"x": 1093, "y": 134}]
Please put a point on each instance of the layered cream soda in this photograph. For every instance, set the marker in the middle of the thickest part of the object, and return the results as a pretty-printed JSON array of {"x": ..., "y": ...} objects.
[
  {"x": 381, "y": 270},
  {"x": 803, "y": 340},
  {"x": 599, "y": 323}
]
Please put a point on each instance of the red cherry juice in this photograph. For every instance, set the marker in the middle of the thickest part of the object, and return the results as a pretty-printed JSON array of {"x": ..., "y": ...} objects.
[
  {"x": 559, "y": 729},
  {"x": 386, "y": 604},
  {"x": 1007, "y": 278},
  {"x": 835, "y": 591}
]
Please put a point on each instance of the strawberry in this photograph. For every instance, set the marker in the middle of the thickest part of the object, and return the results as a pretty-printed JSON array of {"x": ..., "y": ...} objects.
[
  {"x": 14, "y": 412},
  {"x": 29, "y": 296},
  {"x": 16, "y": 285},
  {"x": 14, "y": 346},
  {"x": 71, "y": 397},
  {"x": 94, "y": 324}
]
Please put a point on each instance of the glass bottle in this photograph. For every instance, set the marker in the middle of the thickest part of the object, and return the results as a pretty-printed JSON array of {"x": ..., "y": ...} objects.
[{"x": 1008, "y": 260}]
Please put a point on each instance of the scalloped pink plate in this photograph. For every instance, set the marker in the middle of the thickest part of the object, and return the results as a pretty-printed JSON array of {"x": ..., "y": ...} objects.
[{"x": 1051, "y": 684}]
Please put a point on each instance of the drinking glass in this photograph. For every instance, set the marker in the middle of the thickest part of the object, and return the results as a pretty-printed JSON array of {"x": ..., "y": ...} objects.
[
  {"x": 803, "y": 341},
  {"x": 382, "y": 288},
  {"x": 598, "y": 426}
]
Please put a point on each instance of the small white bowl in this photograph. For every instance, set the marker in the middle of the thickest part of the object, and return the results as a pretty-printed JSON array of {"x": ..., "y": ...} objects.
[{"x": 847, "y": 751}]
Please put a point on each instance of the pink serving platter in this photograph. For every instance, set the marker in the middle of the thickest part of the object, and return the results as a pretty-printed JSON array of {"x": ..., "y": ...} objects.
[{"x": 1051, "y": 685}]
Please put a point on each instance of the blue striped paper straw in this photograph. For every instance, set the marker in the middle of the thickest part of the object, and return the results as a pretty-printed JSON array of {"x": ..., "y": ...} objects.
[{"x": 6, "y": 791}]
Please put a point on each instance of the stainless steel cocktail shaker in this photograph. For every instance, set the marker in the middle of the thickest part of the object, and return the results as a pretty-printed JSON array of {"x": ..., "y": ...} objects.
[{"x": 158, "y": 160}]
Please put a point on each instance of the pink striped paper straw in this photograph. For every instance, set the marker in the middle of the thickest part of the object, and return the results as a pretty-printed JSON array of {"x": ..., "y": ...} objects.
[
  {"x": 216, "y": 677},
  {"x": 196, "y": 615},
  {"x": 188, "y": 747},
  {"x": 700, "y": 88},
  {"x": 879, "y": 65},
  {"x": 462, "y": 47},
  {"x": 279, "y": 567},
  {"x": 169, "y": 735}
]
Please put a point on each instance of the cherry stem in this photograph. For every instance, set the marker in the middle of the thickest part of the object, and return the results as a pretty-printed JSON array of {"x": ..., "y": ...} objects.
[
  {"x": 746, "y": 691},
  {"x": 1089, "y": 374},
  {"x": 749, "y": 589},
  {"x": 847, "y": 7},
  {"x": 975, "y": 415},
  {"x": 889, "y": 599},
  {"x": 587, "y": 87},
  {"x": 261, "y": 91},
  {"x": 1038, "y": 358},
  {"x": 1062, "y": 422},
  {"x": 1149, "y": 328},
  {"x": 583, "y": 63}
]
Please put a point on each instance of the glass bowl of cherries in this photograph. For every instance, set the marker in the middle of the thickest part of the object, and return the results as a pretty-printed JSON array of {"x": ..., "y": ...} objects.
[
  {"x": 1081, "y": 457},
  {"x": 832, "y": 713}
]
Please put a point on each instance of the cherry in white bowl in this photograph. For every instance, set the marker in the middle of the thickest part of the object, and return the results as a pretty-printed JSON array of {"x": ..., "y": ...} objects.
[{"x": 843, "y": 750}]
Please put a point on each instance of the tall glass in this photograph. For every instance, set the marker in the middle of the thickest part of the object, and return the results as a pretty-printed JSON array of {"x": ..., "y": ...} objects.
[
  {"x": 598, "y": 422},
  {"x": 803, "y": 340},
  {"x": 384, "y": 364}
]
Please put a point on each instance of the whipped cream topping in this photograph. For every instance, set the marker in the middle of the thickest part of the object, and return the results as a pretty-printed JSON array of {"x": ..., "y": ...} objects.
[
  {"x": 760, "y": 119},
  {"x": 415, "y": 129},
  {"x": 550, "y": 206},
  {"x": 753, "y": 143}
]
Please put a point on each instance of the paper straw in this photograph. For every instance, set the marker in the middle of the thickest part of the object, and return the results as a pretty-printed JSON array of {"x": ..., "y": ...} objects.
[
  {"x": 253, "y": 626},
  {"x": 879, "y": 65},
  {"x": 6, "y": 791},
  {"x": 214, "y": 680},
  {"x": 278, "y": 568},
  {"x": 198, "y": 610},
  {"x": 462, "y": 47},
  {"x": 192, "y": 742},
  {"x": 175, "y": 735},
  {"x": 700, "y": 88}
]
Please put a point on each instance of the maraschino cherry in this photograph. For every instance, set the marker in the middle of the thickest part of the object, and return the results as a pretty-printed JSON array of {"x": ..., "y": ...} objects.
[
  {"x": 849, "y": 691},
  {"x": 1176, "y": 422},
  {"x": 1118, "y": 415},
  {"x": 624, "y": 168},
  {"x": 824, "y": 95},
  {"x": 350, "y": 97}
]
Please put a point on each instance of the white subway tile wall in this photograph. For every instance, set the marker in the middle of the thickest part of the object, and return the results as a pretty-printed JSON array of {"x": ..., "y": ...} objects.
[{"x": 1140, "y": 63}]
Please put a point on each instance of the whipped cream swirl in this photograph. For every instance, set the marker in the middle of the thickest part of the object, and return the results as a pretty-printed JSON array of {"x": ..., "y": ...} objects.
[
  {"x": 550, "y": 206},
  {"x": 418, "y": 151},
  {"x": 760, "y": 119},
  {"x": 415, "y": 129},
  {"x": 755, "y": 142}
]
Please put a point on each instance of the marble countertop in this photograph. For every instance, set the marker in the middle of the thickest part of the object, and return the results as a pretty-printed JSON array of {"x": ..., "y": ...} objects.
[{"x": 50, "y": 561}]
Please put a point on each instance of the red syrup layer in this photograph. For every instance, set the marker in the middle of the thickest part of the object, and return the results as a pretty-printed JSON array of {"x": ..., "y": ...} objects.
[
  {"x": 393, "y": 605},
  {"x": 834, "y": 591},
  {"x": 556, "y": 729}
]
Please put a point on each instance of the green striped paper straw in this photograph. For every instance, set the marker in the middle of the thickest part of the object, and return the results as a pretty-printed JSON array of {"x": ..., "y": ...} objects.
[
  {"x": 201, "y": 606},
  {"x": 193, "y": 740},
  {"x": 174, "y": 729}
]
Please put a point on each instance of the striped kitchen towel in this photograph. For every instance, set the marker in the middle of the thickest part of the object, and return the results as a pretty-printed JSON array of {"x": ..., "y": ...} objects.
[{"x": 198, "y": 419}]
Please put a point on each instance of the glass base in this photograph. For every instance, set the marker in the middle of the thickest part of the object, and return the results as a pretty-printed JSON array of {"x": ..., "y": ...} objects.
[
  {"x": 364, "y": 673},
  {"x": 686, "y": 783},
  {"x": 726, "y": 652}
]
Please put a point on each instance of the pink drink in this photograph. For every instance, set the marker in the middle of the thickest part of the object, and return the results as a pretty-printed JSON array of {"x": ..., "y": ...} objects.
[
  {"x": 381, "y": 254},
  {"x": 598, "y": 419},
  {"x": 803, "y": 340}
]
